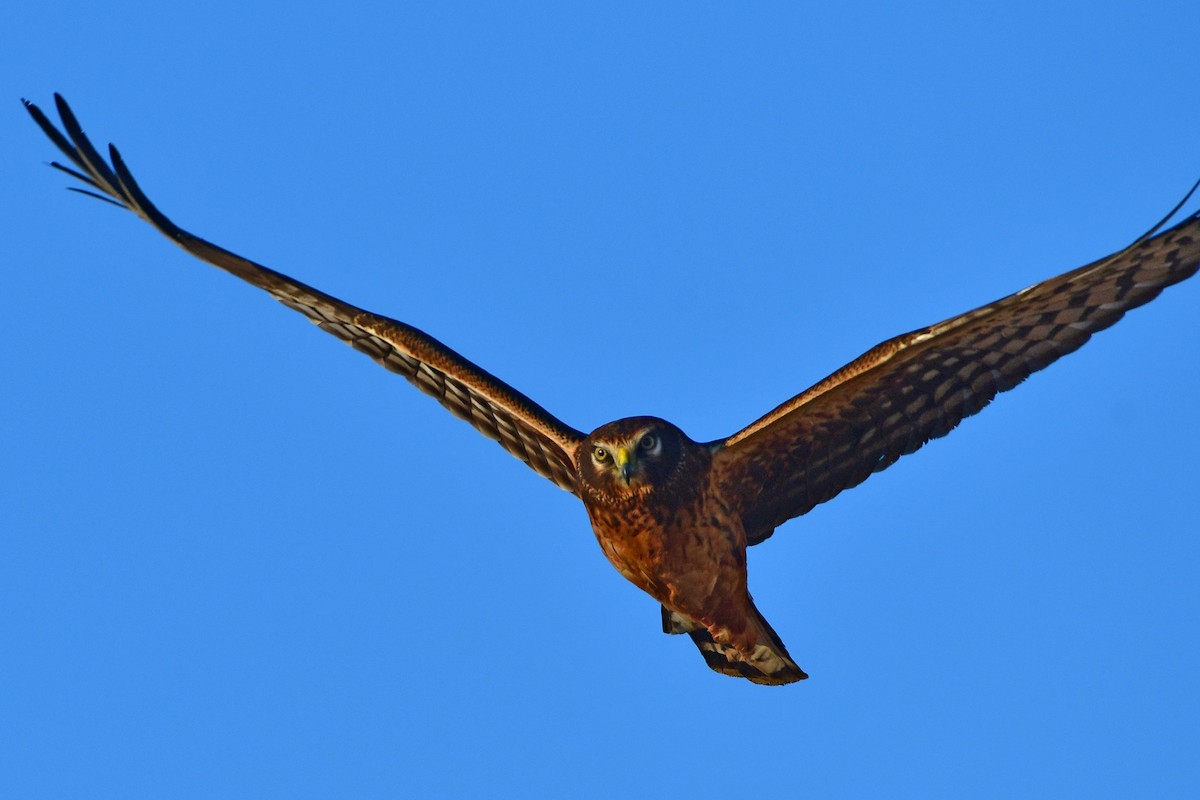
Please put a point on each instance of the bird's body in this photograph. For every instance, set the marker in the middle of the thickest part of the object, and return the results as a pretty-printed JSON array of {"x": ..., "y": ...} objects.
[
  {"x": 675, "y": 516},
  {"x": 669, "y": 529}
]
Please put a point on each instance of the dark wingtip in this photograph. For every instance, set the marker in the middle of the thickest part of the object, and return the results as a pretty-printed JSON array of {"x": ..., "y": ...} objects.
[
  {"x": 73, "y": 173},
  {"x": 1158, "y": 226},
  {"x": 98, "y": 196},
  {"x": 60, "y": 103},
  {"x": 38, "y": 115}
]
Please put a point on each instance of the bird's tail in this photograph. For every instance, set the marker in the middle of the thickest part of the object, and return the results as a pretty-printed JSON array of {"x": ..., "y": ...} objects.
[{"x": 766, "y": 661}]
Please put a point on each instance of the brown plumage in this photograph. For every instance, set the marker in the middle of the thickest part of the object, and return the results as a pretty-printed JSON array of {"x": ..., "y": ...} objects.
[
  {"x": 675, "y": 516},
  {"x": 665, "y": 524}
]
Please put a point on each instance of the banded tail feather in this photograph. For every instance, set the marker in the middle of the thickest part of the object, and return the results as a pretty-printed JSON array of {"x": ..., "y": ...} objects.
[{"x": 768, "y": 663}]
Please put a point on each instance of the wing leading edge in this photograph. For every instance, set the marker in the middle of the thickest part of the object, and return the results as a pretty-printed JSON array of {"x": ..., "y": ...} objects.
[
  {"x": 916, "y": 387},
  {"x": 494, "y": 408}
]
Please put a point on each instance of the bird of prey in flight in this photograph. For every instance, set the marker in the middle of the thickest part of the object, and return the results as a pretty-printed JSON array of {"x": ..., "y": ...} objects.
[{"x": 675, "y": 516}]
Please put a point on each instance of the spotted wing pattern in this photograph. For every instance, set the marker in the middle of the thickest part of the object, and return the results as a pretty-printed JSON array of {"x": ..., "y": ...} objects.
[
  {"x": 496, "y": 410},
  {"x": 916, "y": 387}
]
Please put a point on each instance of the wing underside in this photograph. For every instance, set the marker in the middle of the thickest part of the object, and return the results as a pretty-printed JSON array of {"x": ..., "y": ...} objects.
[
  {"x": 496, "y": 410},
  {"x": 919, "y": 386}
]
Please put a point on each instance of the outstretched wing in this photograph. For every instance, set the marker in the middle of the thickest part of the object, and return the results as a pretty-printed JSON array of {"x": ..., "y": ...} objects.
[
  {"x": 495, "y": 409},
  {"x": 916, "y": 387}
]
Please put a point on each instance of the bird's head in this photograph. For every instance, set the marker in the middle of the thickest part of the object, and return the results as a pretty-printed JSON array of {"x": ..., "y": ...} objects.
[{"x": 631, "y": 456}]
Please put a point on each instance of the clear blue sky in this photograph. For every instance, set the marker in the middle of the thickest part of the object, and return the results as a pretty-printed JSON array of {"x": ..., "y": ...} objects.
[{"x": 240, "y": 560}]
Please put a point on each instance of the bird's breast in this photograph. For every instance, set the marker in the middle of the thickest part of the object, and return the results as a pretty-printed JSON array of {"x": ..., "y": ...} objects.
[{"x": 669, "y": 549}]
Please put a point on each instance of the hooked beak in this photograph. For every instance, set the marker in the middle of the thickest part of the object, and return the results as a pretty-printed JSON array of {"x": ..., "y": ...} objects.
[{"x": 624, "y": 464}]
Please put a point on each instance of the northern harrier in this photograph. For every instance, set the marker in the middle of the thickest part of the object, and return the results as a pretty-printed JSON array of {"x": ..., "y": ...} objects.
[{"x": 675, "y": 516}]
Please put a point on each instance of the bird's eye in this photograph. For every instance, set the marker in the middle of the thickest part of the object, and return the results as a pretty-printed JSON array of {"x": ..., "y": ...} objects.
[
  {"x": 648, "y": 442},
  {"x": 600, "y": 454}
]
